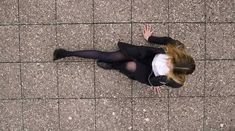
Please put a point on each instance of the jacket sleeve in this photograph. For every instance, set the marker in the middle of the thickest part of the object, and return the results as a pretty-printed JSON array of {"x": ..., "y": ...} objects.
[
  {"x": 160, "y": 40},
  {"x": 162, "y": 80},
  {"x": 139, "y": 52},
  {"x": 166, "y": 41}
]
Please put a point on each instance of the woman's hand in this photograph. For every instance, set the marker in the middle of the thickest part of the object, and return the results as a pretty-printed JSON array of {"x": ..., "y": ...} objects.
[
  {"x": 147, "y": 32},
  {"x": 157, "y": 90}
]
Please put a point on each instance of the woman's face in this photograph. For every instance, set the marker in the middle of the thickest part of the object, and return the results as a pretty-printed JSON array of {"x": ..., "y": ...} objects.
[{"x": 169, "y": 64}]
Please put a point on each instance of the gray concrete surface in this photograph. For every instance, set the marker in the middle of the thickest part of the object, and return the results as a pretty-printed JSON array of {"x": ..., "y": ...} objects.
[{"x": 74, "y": 94}]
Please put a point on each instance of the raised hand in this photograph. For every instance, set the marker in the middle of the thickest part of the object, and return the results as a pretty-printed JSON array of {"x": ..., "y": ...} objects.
[{"x": 147, "y": 32}]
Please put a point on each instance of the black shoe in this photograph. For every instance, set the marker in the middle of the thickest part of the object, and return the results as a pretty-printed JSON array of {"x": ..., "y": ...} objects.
[
  {"x": 104, "y": 65},
  {"x": 60, "y": 53}
]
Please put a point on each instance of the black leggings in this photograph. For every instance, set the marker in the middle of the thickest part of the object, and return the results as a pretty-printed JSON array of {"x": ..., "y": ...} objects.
[
  {"x": 116, "y": 56},
  {"x": 137, "y": 70}
]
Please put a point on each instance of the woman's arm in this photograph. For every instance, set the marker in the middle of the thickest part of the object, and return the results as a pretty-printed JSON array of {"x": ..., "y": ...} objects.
[
  {"x": 148, "y": 31},
  {"x": 139, "y": 52},
  {"x": 160, "y": 40},
  {"x": 162, "y": 80},
  {"x": 154, "y": 39}
]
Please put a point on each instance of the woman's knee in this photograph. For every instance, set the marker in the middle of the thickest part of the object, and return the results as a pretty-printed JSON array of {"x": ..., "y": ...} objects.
[{"x": 131, "y": 66}]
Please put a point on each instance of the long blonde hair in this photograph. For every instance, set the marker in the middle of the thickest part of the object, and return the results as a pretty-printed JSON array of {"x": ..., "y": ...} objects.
[{"x": 183, "y": 64}]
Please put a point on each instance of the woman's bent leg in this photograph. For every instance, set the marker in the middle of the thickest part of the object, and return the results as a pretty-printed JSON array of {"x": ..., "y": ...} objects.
[{"x": 134, "y": 70}]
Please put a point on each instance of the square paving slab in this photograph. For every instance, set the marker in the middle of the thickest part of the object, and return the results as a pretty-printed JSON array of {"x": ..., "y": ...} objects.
[
  {"x": 40, "y": 114},
  {"x": 74, "y": 11},
  {"x": 113, "y": 114},
  {"x": 76, "y": 80},
  {"x": 8, "y": 11},
  {"x": 150, "y": 11},
  {"x": 9, "y": 44},
  {"x": 186, "y": 10},
  {"x": 37, "y": 42},
  {"x": 220, "y": 113},
  {"x": 37, "y": 11},
  {"x": 220, "y": 78},
  {"x": 107, "y": 36},
  {"x": 186, "y": 114},
  {"x": 220, "y": 10},
  {"x": 78, "y": 115},
  {"x": 150, "y": 114},
  {"x": 112, "y": 10},
  {"x": 10, "y": 81},
  {"x": 10, "y": 115},
  {"x": 39, "y": 80},
  {"x": 220, "y": 40}
]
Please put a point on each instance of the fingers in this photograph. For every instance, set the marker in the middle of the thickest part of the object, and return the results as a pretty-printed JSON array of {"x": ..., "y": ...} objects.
[
  {"x": 148, "y": 28},
  {"x": 157, "y": 90}
]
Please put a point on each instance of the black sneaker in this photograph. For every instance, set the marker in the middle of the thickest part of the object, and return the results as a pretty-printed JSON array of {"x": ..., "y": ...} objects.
[
  {"x": 104, "y": 65},
  {"x": 60, "y": 53}
]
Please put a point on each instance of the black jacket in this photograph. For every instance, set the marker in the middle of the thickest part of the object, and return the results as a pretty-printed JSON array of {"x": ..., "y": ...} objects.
[{"x": 144, "y": 53}]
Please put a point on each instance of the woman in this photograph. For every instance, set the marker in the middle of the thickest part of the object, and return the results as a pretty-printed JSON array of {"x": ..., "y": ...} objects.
[{"x": 167, "y": 65}]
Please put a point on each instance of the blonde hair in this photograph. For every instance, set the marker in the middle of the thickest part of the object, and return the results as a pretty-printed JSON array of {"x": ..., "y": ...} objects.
[{"x": 183, "y": 64}]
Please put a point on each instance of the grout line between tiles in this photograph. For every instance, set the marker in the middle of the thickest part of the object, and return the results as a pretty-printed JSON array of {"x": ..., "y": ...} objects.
[
  {"x": 168, "y": 95},
  {"x": 205, "y": 52},
  {"x": 57, "y": 67},
  {"x": 144, "y": 22},
  {"x": 132, "y": 82},
  {"x": 20, "y": 65},
  {"x": 40, "y": 98},
  {"x": 94, "y": 80}
]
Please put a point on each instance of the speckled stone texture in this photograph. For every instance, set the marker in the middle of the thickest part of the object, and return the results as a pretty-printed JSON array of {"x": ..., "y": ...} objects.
[
  {"x": 9, "y": 44},
  {"x": 150, "y": 11},
  {"x": 40, "y": 114},
  {"x": 76, "y": 80},
  {"x": 77, "y": 115},
  {"x": 220, "y": 41},
  {"x": 107, "y": 36},
  {"x": 220, "y": 11},
  {"x": 150, "y": 114},
  {"x": 10, "y": 81},
  {"x": 112, "y": 10},
  {"x": 186, "y": 114},
  {"x": 37, "y": 11},
  {"x": 220, "y": 113},
  {"x": 74, "y": 94},
  {"x": 113, "y": 114},
  {"x": 39, "y": 80},
  {"x": 37, "y": 42},
  {"x": 186, "y": 10},
  {"x": 74, "y": 11},
  {"x": 10, "y": 115},
  {"x": 220, "y": 78},
  {"x": 8, "y": 11}
]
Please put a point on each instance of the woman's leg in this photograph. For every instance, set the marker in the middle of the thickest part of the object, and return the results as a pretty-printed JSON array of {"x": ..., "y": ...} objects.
[
  {"x": 134, "y": 70},
  {"x": 91, "y": 54}
]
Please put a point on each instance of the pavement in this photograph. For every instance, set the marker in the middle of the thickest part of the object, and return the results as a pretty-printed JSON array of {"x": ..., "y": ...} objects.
[{"x": 37, "y": 94}]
